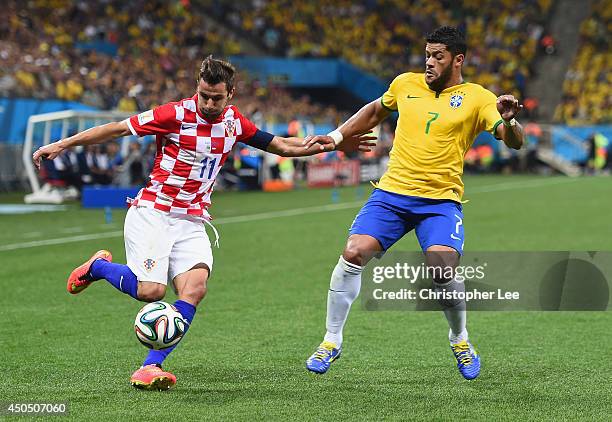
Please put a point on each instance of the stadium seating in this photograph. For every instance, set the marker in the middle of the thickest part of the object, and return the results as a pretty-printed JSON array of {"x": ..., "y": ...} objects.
[
  {"x": 503, "y": 35},
  {"x": 587, "y": 92},
  {"x": 57, "y": 49}
]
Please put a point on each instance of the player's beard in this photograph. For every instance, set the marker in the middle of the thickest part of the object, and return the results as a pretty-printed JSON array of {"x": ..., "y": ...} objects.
[{"x": 440, "y": 82}]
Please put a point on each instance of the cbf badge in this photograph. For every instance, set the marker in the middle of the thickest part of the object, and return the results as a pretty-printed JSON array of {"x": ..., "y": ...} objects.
[
  {"x": 456, "y": 99},
  {"x": 230, "y": 128}
]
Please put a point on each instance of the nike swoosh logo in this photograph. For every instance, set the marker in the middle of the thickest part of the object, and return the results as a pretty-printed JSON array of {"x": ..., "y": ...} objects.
[
  {"x": 411, "y": 97},
  {"x": 455, "y": 237},
  {"x": 121, "y": 283}
]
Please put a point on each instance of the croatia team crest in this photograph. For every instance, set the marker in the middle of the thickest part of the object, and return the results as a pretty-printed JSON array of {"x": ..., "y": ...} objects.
[
  {"x": 456, "y": 99},
  {"x": 230, "y": 127},
  {"x": 149, "y": 264}
]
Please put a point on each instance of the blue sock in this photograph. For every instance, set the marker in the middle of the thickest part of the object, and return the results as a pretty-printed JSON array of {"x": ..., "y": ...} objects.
[
  {"x": 119, "y": 275},
  {"x": 157, "y": 357}
]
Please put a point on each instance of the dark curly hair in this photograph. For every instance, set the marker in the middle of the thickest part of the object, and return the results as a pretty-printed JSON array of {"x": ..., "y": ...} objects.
[{"x": 451, "y": 37}]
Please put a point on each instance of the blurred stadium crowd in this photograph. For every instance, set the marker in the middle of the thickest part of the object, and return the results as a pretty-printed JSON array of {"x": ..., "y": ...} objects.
[
  {"x": 57, "y": 49},
  {"x": 45, "y": 50},
  {"x": 45, "y": 43},
  {"x": 385, "y": 37},
  {"x": 587, "y": 91}
]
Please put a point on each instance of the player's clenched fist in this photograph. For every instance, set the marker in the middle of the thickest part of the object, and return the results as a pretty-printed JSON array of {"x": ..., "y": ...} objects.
[{"x": 508, "y": 106}]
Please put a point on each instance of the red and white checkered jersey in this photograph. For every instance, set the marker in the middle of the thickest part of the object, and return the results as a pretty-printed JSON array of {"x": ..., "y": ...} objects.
[{"x": 190, "y": 152}]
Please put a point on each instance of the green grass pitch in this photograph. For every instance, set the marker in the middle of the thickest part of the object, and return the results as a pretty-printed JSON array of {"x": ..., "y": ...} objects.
[{"x": 243, "y": 358}]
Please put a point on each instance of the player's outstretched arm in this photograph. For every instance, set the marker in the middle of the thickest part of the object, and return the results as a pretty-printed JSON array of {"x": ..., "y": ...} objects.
[
  {"x": 294, "y": 147},
  {"x": 368, "y": 117},
  {"x": 511, "y": 131},
  {"x": 95, "y": 135}
]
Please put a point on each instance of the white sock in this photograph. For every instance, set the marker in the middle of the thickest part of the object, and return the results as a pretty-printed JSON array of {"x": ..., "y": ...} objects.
[
  {"x": 456, "y": 321},
  {"x": 454, "y": 311},
  {"x": 343, "y": 290}
]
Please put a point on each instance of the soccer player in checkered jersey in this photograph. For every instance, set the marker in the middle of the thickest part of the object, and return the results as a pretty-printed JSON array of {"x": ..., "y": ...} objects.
[{"x": 165, "y": 239}]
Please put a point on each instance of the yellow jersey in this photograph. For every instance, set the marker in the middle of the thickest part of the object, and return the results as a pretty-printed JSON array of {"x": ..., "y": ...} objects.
[{"x": 434, "y": 131}]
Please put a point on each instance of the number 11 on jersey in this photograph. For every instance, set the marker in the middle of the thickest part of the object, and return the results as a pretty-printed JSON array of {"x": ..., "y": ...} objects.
[{"x": 205, "y": 164}]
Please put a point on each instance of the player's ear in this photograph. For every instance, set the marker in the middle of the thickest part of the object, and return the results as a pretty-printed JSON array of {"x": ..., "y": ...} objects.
[
  {"x": 459, "y": 59},
  {"x": 231, "y": 93}
]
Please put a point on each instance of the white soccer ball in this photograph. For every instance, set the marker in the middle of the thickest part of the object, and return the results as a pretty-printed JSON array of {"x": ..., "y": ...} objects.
[{"x": 159, "y": 325}]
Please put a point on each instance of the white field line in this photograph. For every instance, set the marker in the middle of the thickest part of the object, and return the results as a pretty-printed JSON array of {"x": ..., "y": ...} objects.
[
  {"x": 228, "y": 220},
  {"x": 277, "y": 214},
  {"x": 520, "y": 185},
  {"x": 69, "y": 230},
  {"x": 30, "y": 235}
]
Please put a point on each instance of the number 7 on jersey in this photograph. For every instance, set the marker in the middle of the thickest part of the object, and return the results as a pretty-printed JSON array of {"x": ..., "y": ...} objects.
[{"x": 429, "y": 122}]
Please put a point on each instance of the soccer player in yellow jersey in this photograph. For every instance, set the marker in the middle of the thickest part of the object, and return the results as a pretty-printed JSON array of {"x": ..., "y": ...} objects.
[{"x": 439, "y": 116}]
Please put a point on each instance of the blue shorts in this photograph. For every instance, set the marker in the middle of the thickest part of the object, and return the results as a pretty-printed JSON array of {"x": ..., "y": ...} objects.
[{"x": 388, "y": 216}]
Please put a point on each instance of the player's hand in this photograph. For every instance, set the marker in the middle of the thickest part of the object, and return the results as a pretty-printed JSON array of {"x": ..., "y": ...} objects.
[
  {"x": 508, "y": 107},
  {"x": 325, "y": 142},
  {"x": 363, "y": 142},
  {"x": 47, "y": 152}
]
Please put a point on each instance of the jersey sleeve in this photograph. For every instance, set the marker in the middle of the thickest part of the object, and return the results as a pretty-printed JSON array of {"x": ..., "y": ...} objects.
[
  {"x": 251, "y": 135},
  {"x": 158, "y": 121},
  {"x": 389, "y": 98},
  {"x": 489, "y": 117},
  {"x": 248, "y": 128}
]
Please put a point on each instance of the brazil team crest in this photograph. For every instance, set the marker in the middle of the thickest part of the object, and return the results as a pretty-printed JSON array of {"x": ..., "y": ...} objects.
[
  {"x": 230, "y": 127},
  {"x": 456, "y": 99}
]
